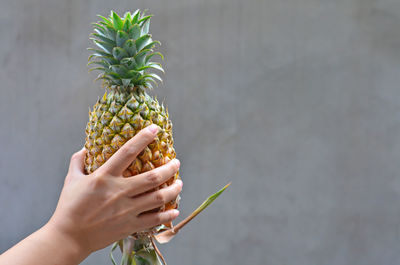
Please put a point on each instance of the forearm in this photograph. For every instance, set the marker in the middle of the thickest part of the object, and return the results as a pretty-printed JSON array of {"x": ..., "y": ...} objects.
[{"x": 44, "y": 247}]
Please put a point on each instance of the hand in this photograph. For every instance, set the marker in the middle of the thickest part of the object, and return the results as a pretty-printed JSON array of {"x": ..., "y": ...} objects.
[{"x": 97, "y": 209}]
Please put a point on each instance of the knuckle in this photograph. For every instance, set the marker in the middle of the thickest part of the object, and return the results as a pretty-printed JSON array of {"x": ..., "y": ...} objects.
[
  {"x": 176, "y": 165},
  {"x": 160, "y": 197},
  {"x": 158, "y": 219},
  {"x": 153, "y": 177},
  {"x": 129, "y": 150},
  {"x": 75, "y": 156},
  {"x": 147, "y": 135},
  {"x": 171, "y": 216},
  {"x": 173, "y": 167},
  {"x": 97, "y": 182},
  {"x": 178, "y": 189}
]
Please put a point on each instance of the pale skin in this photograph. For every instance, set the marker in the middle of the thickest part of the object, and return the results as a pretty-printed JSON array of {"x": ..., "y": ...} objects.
[{"x": 98, "y": 209}]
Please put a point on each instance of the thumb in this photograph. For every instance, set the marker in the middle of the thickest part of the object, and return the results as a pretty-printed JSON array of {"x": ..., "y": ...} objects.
[{"x": 76, "y": 166}]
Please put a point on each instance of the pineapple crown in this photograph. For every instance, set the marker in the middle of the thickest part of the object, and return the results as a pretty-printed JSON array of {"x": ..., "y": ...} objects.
[{"x": 124, "y": 49}]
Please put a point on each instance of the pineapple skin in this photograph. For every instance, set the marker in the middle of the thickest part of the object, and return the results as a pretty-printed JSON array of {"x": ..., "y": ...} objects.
[{"x": 115, "y": 119}]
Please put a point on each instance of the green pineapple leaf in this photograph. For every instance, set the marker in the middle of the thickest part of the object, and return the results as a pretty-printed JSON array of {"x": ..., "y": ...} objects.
[
  {"x": 119, "y": 53},
  {"x": 141, "y": 57},
  {"x": 144, "y": 19},
  {"x": 106, "y": 21},
  {"x": 145, "y": 27},
  {"x": 134, "y": 32},
  {"x": 130, "y": 47},
  {"x": 130, "y": 63},
  {"x": 121, "y": 38},
  {"x": 156, "y": 66},
  {"x": 135, "y": 16},
  {"x": 124, "y": 49},
  {"x": 103, "y": 38},
  {"x": 117, "y": 22},
  {"x": 119, "y": 69},
  {"x": 97, "y": 52},
  {"x": 104, "y": 46},
  {"x": 127, "y": 21},
  {"x": 142, "y": 42},
  {"x": 151, "y": 45}
]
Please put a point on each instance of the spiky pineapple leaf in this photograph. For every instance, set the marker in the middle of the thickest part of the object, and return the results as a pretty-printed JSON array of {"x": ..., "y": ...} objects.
[
  {"x": 121, "y": 38},
  {"x": 117, "y": 22},
  {"x": 101, "y": 63},
  {"x": 97, "y": 68},
  {"x": 125, "y": 82},
  {"x": 98, "y": 27},
  {"x": 130, "y": 47},
  {"x": 97, "y": 52},
  {"x": 133, "y": 74},
  {"x": 148, "y": 57},
  {"x": 145, "y": 27},
  {"x": 144, "y": 19},
  {"x": 151, "y": 45},
  {"x": 134, "y": 32},
  {"x": 125, "y": 49},
  {"x": 103, "y": 45},
  {"x": 141, "y": 57},
  {"x": 135, "y": 16},
  {"x": 150, "y": 77},
  {"x": 127, "y": 22},
  {"x": 130, "y": 63},
  {"x": 106, "y": 21},
  {"x": 156, "y": 66},
  {"x": 142, "y": 42},
  {"x": 100, "y": 32},
  {"x": 110, "y": 32},
  {"x": 103, "y": 38},
  {"x": 127, "y": 16},
  {"x": 119, "y": 69},
  {"x": 109, "y": 59},
  {"x": 119, "y": 53}
]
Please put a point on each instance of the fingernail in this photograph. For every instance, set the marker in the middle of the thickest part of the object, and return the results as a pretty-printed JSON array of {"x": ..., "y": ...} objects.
[
  {"x": 177, "y": 162},
  {"x": 179, "y": 182},
  {"x": 153, "y": 128},
  {"x": 175, "y": 213}
]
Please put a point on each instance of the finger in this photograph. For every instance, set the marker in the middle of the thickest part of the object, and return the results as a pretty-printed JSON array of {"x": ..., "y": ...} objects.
[
  {"x": 153, "y": 219},
  {"x": 150, "y": 179},
  {"x": 128, "y": 152},
  {"x": 77, "y": 162},
  {"x": 155, "y": 199}
]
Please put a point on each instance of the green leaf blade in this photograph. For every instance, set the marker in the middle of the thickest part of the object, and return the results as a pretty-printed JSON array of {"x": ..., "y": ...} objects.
[
  {"x": 121, "y": 38},
  {"x": 119, "y": 53},
  {"x": 134, "y": 32},
  {"x": 117, "y": 21},
  {"x": 142, "y": 42},
  {"x": 130, "y": 47}
]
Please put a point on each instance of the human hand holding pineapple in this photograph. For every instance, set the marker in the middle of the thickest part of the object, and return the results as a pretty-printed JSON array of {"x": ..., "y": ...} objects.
[
  {"x": 103, "y": 207},
  {"x": 97, "y": 209}
]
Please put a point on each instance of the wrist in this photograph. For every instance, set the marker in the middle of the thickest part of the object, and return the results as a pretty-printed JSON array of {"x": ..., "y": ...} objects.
[{"x": 66, "y": 244}]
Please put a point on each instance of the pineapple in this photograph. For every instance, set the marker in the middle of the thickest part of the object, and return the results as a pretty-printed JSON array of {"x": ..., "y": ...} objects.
[{"x": 123, "y": 56}]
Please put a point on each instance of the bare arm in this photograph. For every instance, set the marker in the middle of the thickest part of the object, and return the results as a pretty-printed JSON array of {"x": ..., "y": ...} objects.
[{"x": 95, "y": 210}]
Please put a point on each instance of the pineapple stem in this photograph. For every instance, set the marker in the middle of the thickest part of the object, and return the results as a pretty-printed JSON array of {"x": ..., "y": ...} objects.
[
  {"x": 138, "y": 251},
  {"x": 158, "y": 251}
]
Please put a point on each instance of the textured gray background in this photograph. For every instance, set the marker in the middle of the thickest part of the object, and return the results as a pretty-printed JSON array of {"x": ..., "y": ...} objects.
[{"x": 297, "y": 102}]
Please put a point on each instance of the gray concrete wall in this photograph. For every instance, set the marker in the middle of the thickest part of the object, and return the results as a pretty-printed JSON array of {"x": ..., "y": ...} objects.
[{"x": 297, "y": 102}]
